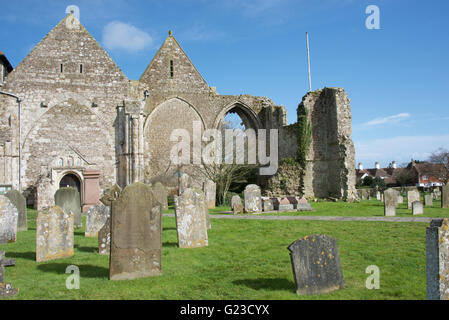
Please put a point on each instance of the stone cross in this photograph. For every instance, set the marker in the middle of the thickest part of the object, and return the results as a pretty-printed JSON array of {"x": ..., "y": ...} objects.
[
  {"x": 136, "y": 234},
  {"x": 316, "y": 265},
  {"x": 437, "y": 259}
]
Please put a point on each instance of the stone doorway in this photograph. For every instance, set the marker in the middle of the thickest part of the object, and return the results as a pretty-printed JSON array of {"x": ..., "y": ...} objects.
[{"x": 70, "y": 180}]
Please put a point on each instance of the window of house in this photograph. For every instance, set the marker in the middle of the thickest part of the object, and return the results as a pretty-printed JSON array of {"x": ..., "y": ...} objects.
[{"x": 424, "y": 177}]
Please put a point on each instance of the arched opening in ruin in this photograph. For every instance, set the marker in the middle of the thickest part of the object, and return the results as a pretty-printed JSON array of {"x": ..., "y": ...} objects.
[{"x": 238, "y": 116}]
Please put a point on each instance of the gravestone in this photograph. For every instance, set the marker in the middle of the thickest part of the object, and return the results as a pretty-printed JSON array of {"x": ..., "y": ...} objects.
[
  {"x": 267, "y": 204},
  {"x": 400, "y": 199},
  {"x": 285, "y": 205},
  {"x": 54, "y": 234},
  {"x": 303, "y": 205},
  {"x": 8, "y": 221},
  {"x": 96, "y": 218},
  {"x": 191, "y": 224},
  {"x": 5, "y": 288},
  {"x": 160, "y": 192},
  {"x": 110, "y": 195},
  {"x": 253, "y": 199},
  {"x": 236, "y": 205},
  {"x": 104, "y": 238},
  {"x": 428, "y": 200},
  {"x": 185, "y": 182},
  {"x": 445, "y": 196},
  {"x": 378, "y": 195},
  {"x": 412, "y": 196},
  {"x": 136, "y": 234},
  {"x": 437, "y": 260},
  {"x": 210, "y": 191},
  {"x": 68, "y": 199},
  {"x": 20, "y": 202},
  {"x": 390, "y": 203},
  {"x": 316, "y": 265},
  {"x": 417, "y": 208}
]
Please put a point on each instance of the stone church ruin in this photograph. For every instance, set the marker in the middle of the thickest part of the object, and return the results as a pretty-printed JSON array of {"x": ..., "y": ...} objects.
[{"x": 85, "y": 125}]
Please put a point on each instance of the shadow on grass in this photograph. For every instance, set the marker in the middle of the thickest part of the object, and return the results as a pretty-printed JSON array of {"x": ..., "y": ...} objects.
[
  {"x": 86, "y": 249},
  {"x": 21, "y": 255},
  {"x": 267, "y": 284},
  {"x": 86, "y": 271},
  {"x": 168, "y": 229},
  {"x": 170, "y": 244}
]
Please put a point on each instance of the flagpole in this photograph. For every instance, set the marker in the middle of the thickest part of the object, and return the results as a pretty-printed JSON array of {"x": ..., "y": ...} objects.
[{"x": 308, "y": 62}]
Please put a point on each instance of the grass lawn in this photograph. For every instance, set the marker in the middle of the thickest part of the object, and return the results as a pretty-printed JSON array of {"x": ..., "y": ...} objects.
[{"x": 245, "y": 260}]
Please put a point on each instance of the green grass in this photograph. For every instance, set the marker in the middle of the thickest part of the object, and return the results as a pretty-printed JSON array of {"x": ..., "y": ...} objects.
[{"x": 244, "y": 260}]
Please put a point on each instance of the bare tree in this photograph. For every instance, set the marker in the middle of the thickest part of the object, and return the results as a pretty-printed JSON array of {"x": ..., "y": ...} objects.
[{"x": 441, "y": 156}]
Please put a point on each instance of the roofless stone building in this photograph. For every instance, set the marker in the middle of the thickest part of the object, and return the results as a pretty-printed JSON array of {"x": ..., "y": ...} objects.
[{"x": 85, "y": 124}]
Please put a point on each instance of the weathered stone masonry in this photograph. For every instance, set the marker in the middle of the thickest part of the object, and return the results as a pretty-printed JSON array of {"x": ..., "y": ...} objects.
[{"x": 81, "y": 114}]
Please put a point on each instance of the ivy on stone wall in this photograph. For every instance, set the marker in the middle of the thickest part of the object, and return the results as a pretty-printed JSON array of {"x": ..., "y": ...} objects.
[{"x": 304, "y": 135}]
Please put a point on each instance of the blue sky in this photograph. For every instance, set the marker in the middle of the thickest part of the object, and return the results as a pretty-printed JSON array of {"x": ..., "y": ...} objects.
[{"x": 397, "y": 77}]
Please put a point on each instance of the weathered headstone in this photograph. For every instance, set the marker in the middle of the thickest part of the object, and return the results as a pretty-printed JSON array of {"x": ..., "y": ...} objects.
[
  {"x": 160, "y": 192},
  {"x": 110, "y": 195},
  {"x": 412, "y": 196},
  {"x": 236, "y": 205},
  {"x": 400, "y": 199},
  {"x": 428, "y": 200},
  {"x": 445, "y": 196},
  {"x": 8, "y": 221},
  {"x": 210, "y": 191},
  {"x": 267, "y": 204},
  {"x": 390, "y": 203},
  {"x": 285, "y": 205},
  {"x": 68, "y": 199},
  {"x": 316, "y": 265},
  {"x": 20, "y": 202},
  {"x": 303, "y": 205},
  {"x": 185, "y": 182},
  {"x": 417, "y": 208},
  {"x": 104, "y": 238},
  {"x": 437, "y": 259},
  {"x": 96, "y": 218},
  {"x": 5, "y": 288},
  {"x": 54, "y": 234},
  {"x": 253, "y": 199},
  {"x": 136, "y": 234},
  {"x": 191, "y": 224},
  {"x": 378, "y": 197}
]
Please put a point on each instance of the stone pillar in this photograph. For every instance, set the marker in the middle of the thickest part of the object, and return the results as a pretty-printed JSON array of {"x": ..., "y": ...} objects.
[{"x": 91, "y": 188}]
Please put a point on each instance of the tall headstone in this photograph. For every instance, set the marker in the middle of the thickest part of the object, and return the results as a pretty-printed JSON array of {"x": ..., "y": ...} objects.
[
  {"x": 185, "y": 182},
  {"x": 104, "y": 235},
  {"x": 437, "y": 259},
  {"x": 417, "y": 208},
  {"x": 236, "y": 205},
  {"x": 253, "y": 199},
  {"x": 391, "y": 198},
  {"x": 412, "y": 196},
  {"x": 445, "y": 196},
  {"x": 210, "y": 191},
  {"x": 110, "y": 195},
  {"x": 68, "y": 199},
  {"x": 160, "y": 192},
  {"x": 316, "y": 265},
  {"x": 428, "y": 200},
  {"x": 54, "y": 234},
  {"x": 400, "y": 199},
  {"x": 378, "y": 197},
  {"x": 20, "y": 202},
  {"x": 191, "y": 224},
  {"x": 96, "y": 218},
  {"x": 8, "y": 221},
  {"x": 136, "y": 234}
]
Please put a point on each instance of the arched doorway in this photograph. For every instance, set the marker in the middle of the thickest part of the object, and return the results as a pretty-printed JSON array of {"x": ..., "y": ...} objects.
[{"x": 70, "y": 180}]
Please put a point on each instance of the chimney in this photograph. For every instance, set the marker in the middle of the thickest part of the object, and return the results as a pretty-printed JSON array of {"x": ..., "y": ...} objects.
[
  {"x": 360, "y": 166},
  {"x": 394, "y": 165},
  {"x": 377, "y": 165}
]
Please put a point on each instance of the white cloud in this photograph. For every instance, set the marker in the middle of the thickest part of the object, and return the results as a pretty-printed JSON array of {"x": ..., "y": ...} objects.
[
  {"x": 120, "y": 35},
  {"x": 387, "y": 120},
  {"x": 400, "y": 149}
]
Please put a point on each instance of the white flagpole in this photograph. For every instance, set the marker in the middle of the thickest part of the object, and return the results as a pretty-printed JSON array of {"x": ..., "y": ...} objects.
[{"x": 308, "y": 62}]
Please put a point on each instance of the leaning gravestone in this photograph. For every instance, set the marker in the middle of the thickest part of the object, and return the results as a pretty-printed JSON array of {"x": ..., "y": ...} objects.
[
  {"x": 54, "y": 234},
  {"x": 390, "y": 203},
  {"x": 69, "y": 200},
  {"x": 428, "y": 200},
  {"x": 445, "y": 196},
  {"x": 20, "y": 202},
  {"x": 236, "y": 205},
  {"x": 437, "y": 259},
  {"x": 412, "y": 196},
  {"x": 253, "y": 199},
  {"x": 96, "y": 218},
  {"x": 417, "y": 208},
  {"x": 316, "y": 265},
  {"x": 191, "y": 224},
  {"x": 104, "y": 235},
  {"x": 136, "y": 234},
  {"x": 210, "y": 191},
  {"x": 161, "y": 194},
  {"x": 8, "y": 221},
  {"x": 185, "y": 182}
]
